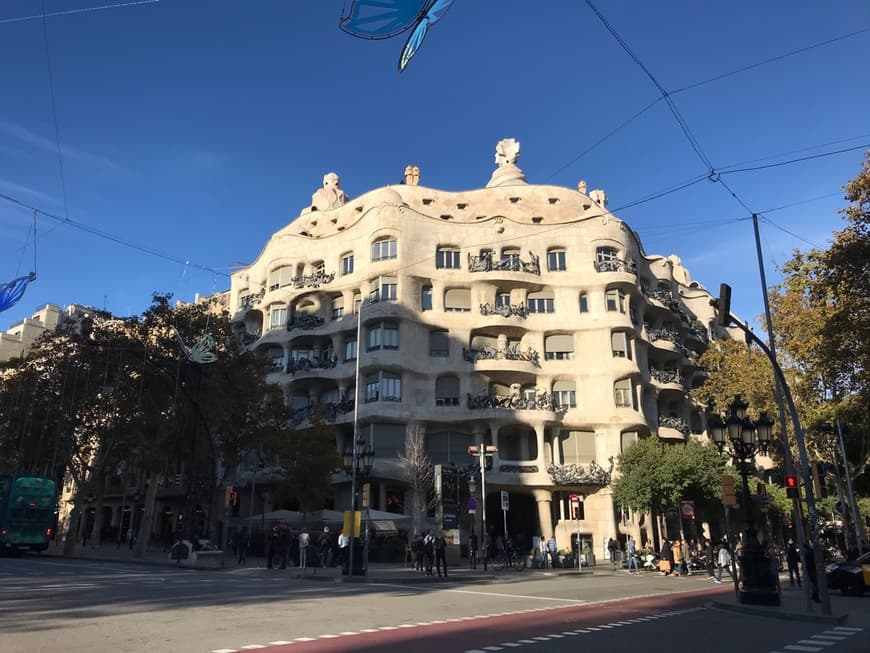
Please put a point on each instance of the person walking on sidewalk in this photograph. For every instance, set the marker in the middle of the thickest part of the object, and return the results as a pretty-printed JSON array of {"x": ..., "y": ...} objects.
[
  {"x": 472, "y": 549},
  {"x": 304, "y": 543},
  {"x": 344, "y": 548},
  {"x": 551, "y": 549},
  {"x": 631, "y": 549},
  {"x": 723, "y": 560},
  {"x": 242, "y": 546},
  {"x": 441, "y": 553},
  {"x": 429, "y": 551},
  {"x": 613, "y": 550},
  {"x": 793, "y": 558},
  {"x": 666, "y": 565}
]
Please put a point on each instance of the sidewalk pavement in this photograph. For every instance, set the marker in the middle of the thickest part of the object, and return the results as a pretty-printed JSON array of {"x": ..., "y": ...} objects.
[
  {"x": 793, "y": 606},
  {"x": 377, "y": 571}
]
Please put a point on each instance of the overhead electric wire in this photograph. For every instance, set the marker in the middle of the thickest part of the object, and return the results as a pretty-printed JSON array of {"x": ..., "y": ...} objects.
[
  {"x": 790, "y": 233},
  {"x": 770, "y": 60},
  {"x": 54, "y": 112},
  {"x": 798, "y": 160},
  {"x": 787, "y": 152},
  {"x": 77, "y": 11},
  {"x": 111, "y": 237}
]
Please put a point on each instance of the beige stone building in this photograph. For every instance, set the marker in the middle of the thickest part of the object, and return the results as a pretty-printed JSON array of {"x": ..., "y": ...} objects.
[
  {"x": 523, "y": 316},
  {"x": 17, "y": 340}
]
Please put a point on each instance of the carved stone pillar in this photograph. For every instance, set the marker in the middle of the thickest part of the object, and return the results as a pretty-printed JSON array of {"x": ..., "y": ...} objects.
[{"x": 544, "y": 499}]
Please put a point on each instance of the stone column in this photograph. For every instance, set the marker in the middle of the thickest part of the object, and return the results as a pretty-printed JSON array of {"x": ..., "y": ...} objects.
[{"x": 544, "y": 499}]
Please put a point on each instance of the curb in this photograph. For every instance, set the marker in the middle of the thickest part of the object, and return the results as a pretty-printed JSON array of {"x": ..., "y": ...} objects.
[
  {"x": 778, "y": 613},
  {"x": 131, "y": 561}
]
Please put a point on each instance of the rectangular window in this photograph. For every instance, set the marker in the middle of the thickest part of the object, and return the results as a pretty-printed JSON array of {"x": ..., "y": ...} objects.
[
  {"x": 541, "y": 305},
  {"x": 426, "y": 298},
  {"x": 620, "y": 344},
  {"x": 383, "y": 250},
  {"x": 502, "y": 300},
  {"x": 447, "y": 258},
  {"x": 559, "y": 355},
  {"x": 337, "y": 312},
  {"x": 556, "y": 261},
  {"x": 373, "y": 386},
  {"x": 350, "y": 350},
  {"x": 584, "y": 303},
  {"x": 383, "y": 336},
  {"x": 565, "y": 398},
  {"x": 278, "y": 318},
  {"x": 347, "y": 264},
  {"x": 622, "y": 393},
  {"x": 391, "y": 388},
  {"x": 615, "y": 300}
]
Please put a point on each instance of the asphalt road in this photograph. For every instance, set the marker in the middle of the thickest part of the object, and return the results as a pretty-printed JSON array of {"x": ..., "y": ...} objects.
[{"x": 69, "y": 605}]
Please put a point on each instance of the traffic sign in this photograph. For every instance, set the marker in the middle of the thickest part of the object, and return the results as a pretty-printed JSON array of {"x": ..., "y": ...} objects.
[
  {"x": 687, "y": 509},
  {"x": 472, "y": 503},
  {"x": 505, "y": 500},
  {"x": 575, "y": 500}
]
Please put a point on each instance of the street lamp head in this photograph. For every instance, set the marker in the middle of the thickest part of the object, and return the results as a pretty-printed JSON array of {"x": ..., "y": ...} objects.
[
  {"x": 762, "y": 429},
  {"x": 368, "y": 458},
  {"x": 717, "y": 430},
  {"x": 734, "y": 427},
  {"x": 347, "y": 460},
  {"x": 747, "y": 434},
  {"x": 738, "y": 407}
]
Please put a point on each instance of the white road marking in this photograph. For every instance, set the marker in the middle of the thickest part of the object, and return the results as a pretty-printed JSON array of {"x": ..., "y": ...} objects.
[
  {"x": 499, "y": 594},
  {"x": 848, "y": 629},
  {"x": 815, "y": 641},
  {"x": 810, "y": 649},
  {"x": 281, "y": 642}
]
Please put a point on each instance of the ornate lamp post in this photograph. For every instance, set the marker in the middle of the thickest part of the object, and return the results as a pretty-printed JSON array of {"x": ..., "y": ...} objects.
[
  {"x": 742, "y": 440},
  {"x": 357, "y": 462}
]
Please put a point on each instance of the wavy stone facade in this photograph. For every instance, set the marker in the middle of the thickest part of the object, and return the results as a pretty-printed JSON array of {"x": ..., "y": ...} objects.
[{"x": 524, "y": 316}]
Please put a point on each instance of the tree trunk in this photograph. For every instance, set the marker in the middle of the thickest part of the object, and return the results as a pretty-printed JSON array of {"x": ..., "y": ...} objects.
[{"x": 148, "y": 516}]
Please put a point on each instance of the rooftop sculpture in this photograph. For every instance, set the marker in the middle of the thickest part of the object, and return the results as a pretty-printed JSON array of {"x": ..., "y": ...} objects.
[{"x": 507, "y": 151}]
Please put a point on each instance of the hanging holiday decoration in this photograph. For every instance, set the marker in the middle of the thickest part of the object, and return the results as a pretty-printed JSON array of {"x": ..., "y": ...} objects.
[
  {"x": 384, "y": 19},
  {"x": 11, "y": 292},
  {"x": 201, "y": 352}
]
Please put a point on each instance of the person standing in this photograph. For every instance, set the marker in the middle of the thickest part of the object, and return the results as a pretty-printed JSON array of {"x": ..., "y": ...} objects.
[
  {"x": 284, "y": 544},
  {"x": 667, "y": 558},
  {"x": 792, "y": 558},
  {"x": 684, "y": 558},
  {"x": 304, "y": 543},
  {"x": 631, "y": 549},
  {"x": 429, "y": 551},
  {"x": 552, "y": 550},
  {"x": 441, "y": 554},
  {"x": 343, "y": 549},
  {"x": 723, "y": 560},
  {"x": 272, "y": 546},
  {"x": 613, "y": 550}
]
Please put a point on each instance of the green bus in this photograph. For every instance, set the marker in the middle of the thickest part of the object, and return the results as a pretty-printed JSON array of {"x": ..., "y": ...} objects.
[{"x": 27, "y": 512}]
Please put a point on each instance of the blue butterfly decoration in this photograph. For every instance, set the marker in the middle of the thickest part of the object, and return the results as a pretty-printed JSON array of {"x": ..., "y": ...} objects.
[
  {"x": 11, "y": 292},
  {"x": 384, "y": 19}
]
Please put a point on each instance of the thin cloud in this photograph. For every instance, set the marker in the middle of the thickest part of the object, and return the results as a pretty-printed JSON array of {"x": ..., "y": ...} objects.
[
  {"x": 14, "y": 188},
  {"x": 45, "y": 144}
]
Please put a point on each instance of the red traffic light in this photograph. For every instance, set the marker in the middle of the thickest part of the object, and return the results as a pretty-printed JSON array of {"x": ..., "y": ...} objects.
[{"x": 791, "y": 481}]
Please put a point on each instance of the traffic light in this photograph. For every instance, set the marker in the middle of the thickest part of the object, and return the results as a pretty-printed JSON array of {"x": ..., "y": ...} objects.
[
  {"x": 792, "y": 489},
  {"x": 729, "y": 494},
  {"x": 818, "y": 471},
  {"x": 723, "y": 306}
]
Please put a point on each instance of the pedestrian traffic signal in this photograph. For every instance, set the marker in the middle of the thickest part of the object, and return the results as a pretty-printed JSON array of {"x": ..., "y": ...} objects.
[{"x": 792, "y": 489}]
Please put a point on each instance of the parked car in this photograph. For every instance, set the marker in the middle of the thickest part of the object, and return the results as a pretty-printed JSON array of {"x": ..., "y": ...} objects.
[{"x": 851, "y": 577}]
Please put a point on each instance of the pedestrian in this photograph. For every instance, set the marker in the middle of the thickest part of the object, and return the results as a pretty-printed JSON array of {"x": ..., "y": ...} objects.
[
  {"x": 304, "y": 542},
  {"x": 272, "y": 546},
  {"x": 631, "y": 549},
  {"x": 723, "y": 561},
  {"x": 684, "y": 558},
  {"x": 677, "y": 558},
  {"x": 711, "y": 564},
  {"x": 810, "y": 570},
  {"x": 666, "y": 565},
  {"x": 792, "y": 558},
  {"x": 441, "y": 553},
  {"x": 472, "y": 549},
  {"x": 284, "y": 544},
  {"x": 613, "y": 551},
  {"x": 429, "y": 551},
  {"x": 343, "y": 549},
  {"x": 323, "y": 547},
  {"x": 552, "y": 550},
  {"x": 242, "y": 546}
]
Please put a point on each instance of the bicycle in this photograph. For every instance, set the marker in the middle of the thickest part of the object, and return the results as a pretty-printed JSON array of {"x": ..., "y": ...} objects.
[{"x": 509, "y": 557}]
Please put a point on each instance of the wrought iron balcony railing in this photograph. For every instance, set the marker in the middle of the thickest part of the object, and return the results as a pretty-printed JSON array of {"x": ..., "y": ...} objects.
[
  {"x": 677, "y": 423},
  {"x": 616, "y": 265},
  {"x": 247, "y": 338},
  {"x": 575, "y": 474},
  {"x": 305, "y": 321},
  {"x": 505, "y": 310},
  {"x": 488, "y": 263},
  {"x": 301, "y": 365},
  {"x": 252, "y": 300},
  {"x": 510, "y": 354},
  {"x": 667, "y": 376},
  {"x": 326, "y": 411},
  {"x": 542, "y": 401}
]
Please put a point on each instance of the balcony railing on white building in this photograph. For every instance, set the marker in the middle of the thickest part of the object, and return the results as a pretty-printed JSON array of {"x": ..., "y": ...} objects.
[
  {"x": 667, "y": 376},
  {"x": 615, "y": 265},
  {"x": 677, "y": 423},
  {"x": 304, "y": 321},
  {"x": 540, "y": 401},
  {"x": 510, "y": 354},
  {"x": 576, "y": 474},
  {"x": 505, "y": 310},
  {"x": 488, "y": 263}
]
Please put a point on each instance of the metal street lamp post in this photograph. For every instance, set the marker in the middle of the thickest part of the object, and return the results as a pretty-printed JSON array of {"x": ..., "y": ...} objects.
[
  {"x": 742, "y": 440},
  {"x": 358, "y": 462},
  {"x": 481, "y": 452}
]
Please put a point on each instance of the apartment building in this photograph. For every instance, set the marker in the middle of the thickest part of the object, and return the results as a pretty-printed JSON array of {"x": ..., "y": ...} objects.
[{"x": 523, "y": 316}]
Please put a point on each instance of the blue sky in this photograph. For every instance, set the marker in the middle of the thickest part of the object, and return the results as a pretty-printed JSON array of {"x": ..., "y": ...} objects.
[{"x": 197, "y": 128}]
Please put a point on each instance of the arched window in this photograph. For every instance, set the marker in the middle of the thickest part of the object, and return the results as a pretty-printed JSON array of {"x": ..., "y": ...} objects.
[
  {"x": 383, "y": 249},
  {"x": 556, "y": 261},
  {"x": 439, "y": 344},
  {"x": 458, "y": 299},
  {"x": 623, "y": 394},
  {"x": 584, "y": 302},
  {"x": 559, "y": 347},
  {"x": 447, "y": 391},
  {"x": 447, "y": 258},
  {"x": 564, "y": 394},
  {"x": 620, "y": 344},
  {"x": 541, "y": 302}
]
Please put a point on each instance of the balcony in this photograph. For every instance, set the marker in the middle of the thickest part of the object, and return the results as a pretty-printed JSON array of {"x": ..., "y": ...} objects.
[
  {"x": 667, "y": 376},
  {"x": 328, "y": 411},
  {"x": 575, "y": 474},
  {"x": 659, "y": 294},
  {"x": 252, "y": 300},
  {"x": 542, "y": 401},
  {"x": 616, "y": 265},
  {"x": 489, "y": 353},
  {"x": 487, "y": 263},
  {"x": 671, "y": 336},
  {"x": 505, "y": 310},
  {"x": 698, "y": 332},
  {"x": 246, "y": 338},
  {"x": 302, "y": 365},
  {"x": 676, "y": 423},
  {"x": 306, "y": 321}
]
